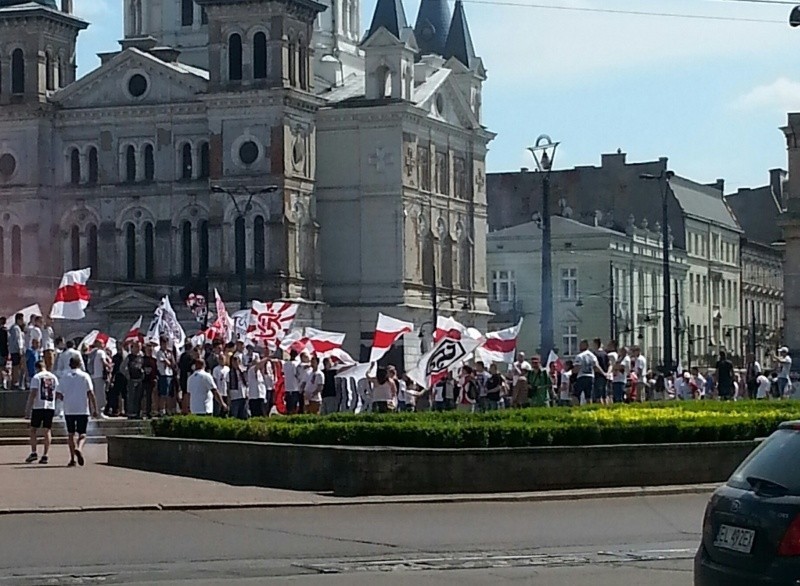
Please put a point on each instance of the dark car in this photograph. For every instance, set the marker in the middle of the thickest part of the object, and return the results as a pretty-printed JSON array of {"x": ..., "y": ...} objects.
[{"x": 751, "y": 528}]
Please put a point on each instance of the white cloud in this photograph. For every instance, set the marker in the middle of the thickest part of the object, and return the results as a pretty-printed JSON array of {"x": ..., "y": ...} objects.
[{"x": 782, "y": 95}]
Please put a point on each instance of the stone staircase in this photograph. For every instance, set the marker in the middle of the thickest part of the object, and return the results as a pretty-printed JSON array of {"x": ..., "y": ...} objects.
[{"x": 15, "y": 431}]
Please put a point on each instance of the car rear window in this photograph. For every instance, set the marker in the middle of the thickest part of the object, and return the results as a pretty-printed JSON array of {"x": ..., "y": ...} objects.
[{"x": 777, "y": 459}]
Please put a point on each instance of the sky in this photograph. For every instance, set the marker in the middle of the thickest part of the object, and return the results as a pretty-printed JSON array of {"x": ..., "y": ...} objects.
[{"x": 711, "y": 95}]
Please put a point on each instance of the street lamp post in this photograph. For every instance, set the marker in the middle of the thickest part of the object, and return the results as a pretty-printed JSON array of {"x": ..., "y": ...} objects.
[
  {"x": 663, "y": 182},
  {"x": 543, "y": 153},
  {"x": 241, "y": 212}
]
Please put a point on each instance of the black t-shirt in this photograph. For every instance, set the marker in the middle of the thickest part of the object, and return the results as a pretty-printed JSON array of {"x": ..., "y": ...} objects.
[
  {"x": 493, "y": 387},
  {"x": 602, "y": 359},
  {"x": 3, "y": 342},
  {"x": 150, "y": 368},
  {"x": 329, "y": 386},
  {"x": 725, "y": 373},
  {"x": 135, "y": 366}
]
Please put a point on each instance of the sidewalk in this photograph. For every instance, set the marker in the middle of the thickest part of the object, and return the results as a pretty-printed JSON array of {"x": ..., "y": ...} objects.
[{"x": 33, "y": 488}]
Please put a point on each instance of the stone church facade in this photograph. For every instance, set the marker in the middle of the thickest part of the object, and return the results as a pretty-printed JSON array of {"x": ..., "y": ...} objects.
[{"x": 364, "y": 155}]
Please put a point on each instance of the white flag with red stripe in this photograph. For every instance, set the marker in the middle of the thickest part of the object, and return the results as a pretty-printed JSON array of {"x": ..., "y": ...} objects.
[
  {"x": 324, "y": 344},
  {"x": 223, "y": 325},
  {"x": 134, "y": 333},
  {"x": 271, "y": 322},
  {"x": 450, "y": 328},
  {"x": 387, "y": 332},
  {"x": 553, "y": 359},
  {"x": 500, "y": 346},
  {"x": 72, "y": 296}
]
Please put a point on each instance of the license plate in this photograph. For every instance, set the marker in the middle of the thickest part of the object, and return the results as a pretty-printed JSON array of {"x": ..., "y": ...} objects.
[{"x": 735, "y": 539}]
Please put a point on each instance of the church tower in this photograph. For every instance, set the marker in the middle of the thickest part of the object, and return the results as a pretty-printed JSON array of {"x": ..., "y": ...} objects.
[
  {"x": 337, "y": 33},
  {"x": 390, "y": 49}
]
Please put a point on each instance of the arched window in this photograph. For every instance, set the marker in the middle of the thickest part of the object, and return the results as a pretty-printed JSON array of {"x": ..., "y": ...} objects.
[
  {"x": 16, "y": 250},
  {"x": 187, "y": 12},
  {"x": 91, "y": 248},
  {"x": 75, "y": 247},
  {"x": 149, "y": 251},
  {"x": 186, "y": 248},
  {"x": 292, "y": 63},
  {"x": 49, "y": 72},
  {"x": 235, "y": 57},
  {"x": 94, "y": 166},
  {"x": 241, "y": 252},
  {"x": 186, "y": 161},
  {"x": 130, "y": 251},
  {"x": 17, "y": 72},
  {"x": 130, "y": 164},
  {"x": 149, "y": 163},
  {"x": 204, "y": 248},
  {"x": 74, "y": 167},
  {"x": 205, "y": 161},
  {"x": 303, "y": 58},
  {"x": 259, "y": 249},
  {"x": 259, "y": 56}
]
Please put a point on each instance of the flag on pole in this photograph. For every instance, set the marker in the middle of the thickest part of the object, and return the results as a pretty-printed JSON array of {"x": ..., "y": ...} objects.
[
  {"x": 553, "y": 359},
  {"x": 448, "y": 327},
  {"x": 134, "y": 333},
  {"x": 447, "y": 354},
  {"x": 92, "y": 337},
  {"x": 271, "y": 322},
  {"x": 241, "y": 321},
  {"x": 500, "y": 346},
  {"x": 224, "y": 323},
  {"x": 387, "y": 332},
  {"x": 295, "y": 340},
  {"x": 324, "y": 344},
  {"x": 165, "y": 323},
  {"x": 72, "y": 296}
]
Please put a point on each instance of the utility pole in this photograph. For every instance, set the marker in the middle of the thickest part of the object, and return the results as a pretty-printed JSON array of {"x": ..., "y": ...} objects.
[{"x": 612, "y": 303}]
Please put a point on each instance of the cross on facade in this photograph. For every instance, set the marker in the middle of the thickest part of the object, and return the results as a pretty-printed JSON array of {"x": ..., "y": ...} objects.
[
  {"x": 380, "y": 159},
  {"x": 480, "y": 180}
]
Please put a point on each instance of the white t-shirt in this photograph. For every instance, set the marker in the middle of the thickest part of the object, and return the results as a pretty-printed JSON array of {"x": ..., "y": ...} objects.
[
  {"x": 201, "y": 397},
  {"x": 220, "y": 375},
  {"x": 62, "y": 363},
  {"x": 161, "y": 358},
  {"x": 314, "y": 380},
  {"x": 613, "y": 358},
  {"x": 786, "y": 367},
  {"x": 586, "y": 361},
  {"x": 563, "y": 391},
  {"x": 256, "y": 389},
  {"x": 641, "y": 366},
  {"x": 45, "y": 385},
  {"x": 75, "y": 385},
  {"x": 290, "y": 376},
  {"x": 48, "y": 338},
  {"x": 764, "y": 386},
  {"x": 32, "y": 333},
  {"x": 621, "y": 376},
  {"x": 98, "y": 363},
  {"x": 240, "y": 392}
]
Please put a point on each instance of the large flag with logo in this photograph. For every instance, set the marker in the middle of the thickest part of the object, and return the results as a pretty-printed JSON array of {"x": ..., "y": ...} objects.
[
  {"x": 72, "y": 296},
  {"x": 447, "y": 354},
  {"x": 500, "y": 346},
  {"x": 387, "y": 332},
  {"x": 271, "y": 322},
  {"x": 165, "y": 323}
]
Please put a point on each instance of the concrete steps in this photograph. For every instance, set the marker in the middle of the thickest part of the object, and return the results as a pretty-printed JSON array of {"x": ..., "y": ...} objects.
[{"x": 16, "y": 431}]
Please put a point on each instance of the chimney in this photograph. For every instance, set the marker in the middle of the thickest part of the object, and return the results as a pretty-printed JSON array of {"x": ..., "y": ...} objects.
[
  {"x": 66, "y": 6},
  {"x": 719, "y": 185},
  {"x": 777, "y": 179},
  {"x": 524, "y": 169},
  {"x": 614, "y": 160}
]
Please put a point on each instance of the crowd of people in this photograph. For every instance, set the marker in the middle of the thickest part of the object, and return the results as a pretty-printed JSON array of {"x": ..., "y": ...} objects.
[{"x": 153, "y": 378}]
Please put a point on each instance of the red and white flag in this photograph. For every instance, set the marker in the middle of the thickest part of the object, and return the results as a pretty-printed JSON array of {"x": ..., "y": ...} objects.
[
  {"x": 446, "y": 355},
  {"x": 500, "y": 346},
  {"x": 387, "y": 332},
  {"x": 448, "y": 327},
  {"x": 92, "y": 337},
  {"x": 324, "y": 344},
  {"x": 271, "y": 322},
  {"x": 223, "y": 325},
  {"x": 72, "y": 296},
  {"x": 553, "y": 359},
  {"x": 295, "y": 340},
  {"x": 135, "y": 333}
]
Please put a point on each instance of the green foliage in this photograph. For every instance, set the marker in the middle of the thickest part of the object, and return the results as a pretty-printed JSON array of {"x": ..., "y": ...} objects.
[{"x": 700, "y": 421}]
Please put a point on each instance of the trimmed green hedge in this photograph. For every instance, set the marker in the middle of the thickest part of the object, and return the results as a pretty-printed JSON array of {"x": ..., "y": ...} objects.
[{"x": 649, "y": 423}]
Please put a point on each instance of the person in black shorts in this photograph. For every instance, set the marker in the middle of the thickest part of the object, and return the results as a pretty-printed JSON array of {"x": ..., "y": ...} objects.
[
  {"x": 42, "y": 407},
  {"x": 77, "y": 392}
]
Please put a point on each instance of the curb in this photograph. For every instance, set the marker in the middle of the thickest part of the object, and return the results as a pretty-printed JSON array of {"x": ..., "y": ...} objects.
[{"x": 539, "y": 497}]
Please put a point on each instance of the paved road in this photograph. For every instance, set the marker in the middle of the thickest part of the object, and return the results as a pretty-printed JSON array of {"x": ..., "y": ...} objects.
[{"x": 648, "y": 540}]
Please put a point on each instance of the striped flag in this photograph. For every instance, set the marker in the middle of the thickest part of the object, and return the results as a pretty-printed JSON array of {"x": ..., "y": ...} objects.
[
  {"x": 500, "y": 346},
  {"x": 387, "y": 332},
  {"x": 72, "y": 296}
]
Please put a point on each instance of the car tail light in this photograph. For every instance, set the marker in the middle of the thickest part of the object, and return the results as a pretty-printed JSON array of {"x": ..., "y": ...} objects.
[{"x": 790, "y": 544}]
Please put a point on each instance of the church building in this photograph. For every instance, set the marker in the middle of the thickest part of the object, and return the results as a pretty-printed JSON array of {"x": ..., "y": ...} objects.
[{"x": 341, "y": 169}]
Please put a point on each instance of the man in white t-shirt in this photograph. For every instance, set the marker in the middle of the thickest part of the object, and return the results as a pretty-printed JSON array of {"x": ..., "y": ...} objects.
[
  {"x": 202, "y": 391},
  {"x": 639, "y": 367},
  {"x": 312, "y": 384},
  {"x": 620, "y": 375},
  {"x": 293, "y": 397},
  {"x": 764, "y": 386},
  {"x": 585, "y": 367},
  {"x": 48, "y": 335},
  {"x": 75, "y": 390},
  {"x": 784, "y": 369},
  {"x": 42, "y": 408}
]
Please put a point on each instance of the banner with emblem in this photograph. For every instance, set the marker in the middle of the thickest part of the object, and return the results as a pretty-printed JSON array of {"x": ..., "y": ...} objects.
[
  {"x": 271, "y": 322},
  {"x": 447, "y": 354}
]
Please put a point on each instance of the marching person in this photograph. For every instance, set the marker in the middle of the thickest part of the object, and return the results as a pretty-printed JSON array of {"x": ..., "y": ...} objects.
[
  {"x": 237, "y": 388},
  {"x": 165, "y": 359},
  {"x": 221, "y": 376},
  {"x": 98, "y": 366},
  {"x": 16, "y": 348},
  {"x": 383, "y": 391},
  {"x": 75, "y": 390},
  {"x": 42, "y": 408},
  {"x": 312, "y": 386},
  {"x": 291, "y": 376},
  {"x": 133, "y": 370},
  {"x": 330, "y": 398},
  {"x": 257, "y": 386},
  {"x": 202, "y": 391},
  {"x": 784, "y": 370}
]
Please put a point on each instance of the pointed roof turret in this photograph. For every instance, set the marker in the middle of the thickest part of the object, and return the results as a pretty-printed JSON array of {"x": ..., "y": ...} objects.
[
  {"x": 390, "y": 15},
  {"x": 459, "y": 41},
  {"x": 433, "y": 22}
]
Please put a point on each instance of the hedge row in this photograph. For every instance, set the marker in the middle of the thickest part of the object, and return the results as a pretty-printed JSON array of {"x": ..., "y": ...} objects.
[{"x": 678, "y": 422}]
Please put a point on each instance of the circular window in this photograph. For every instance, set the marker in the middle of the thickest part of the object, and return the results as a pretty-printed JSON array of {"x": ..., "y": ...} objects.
[
  {"x": 137, "y": 85},
  {"x": 248, "y": 152},
  {"x": 8, "y": 164},
  {"x": 439, "y": 104}
]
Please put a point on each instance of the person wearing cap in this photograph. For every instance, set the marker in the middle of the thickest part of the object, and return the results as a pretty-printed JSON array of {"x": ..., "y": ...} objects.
[{"x": 784, "y": 369}]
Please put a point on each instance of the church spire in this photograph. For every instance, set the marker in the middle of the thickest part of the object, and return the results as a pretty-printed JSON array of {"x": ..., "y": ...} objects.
[
  {"x": 459, "y": 41},
  {"x": 390, "y": 15},
  {"x": 430, "y": 30}
]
